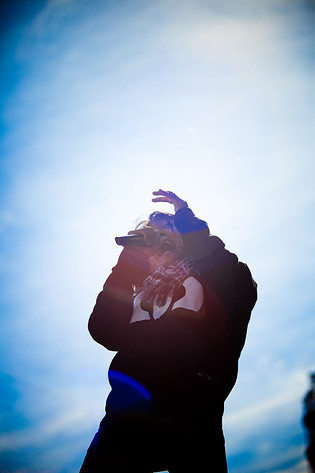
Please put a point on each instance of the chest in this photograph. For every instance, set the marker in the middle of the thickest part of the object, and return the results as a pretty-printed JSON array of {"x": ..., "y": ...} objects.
[{"x": 189, "y": 297}]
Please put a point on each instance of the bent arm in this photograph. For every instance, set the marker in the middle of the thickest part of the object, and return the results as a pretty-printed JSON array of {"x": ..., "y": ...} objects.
[
  {"x": 208, "y": 249},
  {"x": 109, "y": 321},
  {"x": 194, "y": 232}
]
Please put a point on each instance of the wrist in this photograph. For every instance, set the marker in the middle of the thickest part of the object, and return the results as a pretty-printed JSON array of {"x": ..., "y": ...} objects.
[{"x": 181, "y": 204}]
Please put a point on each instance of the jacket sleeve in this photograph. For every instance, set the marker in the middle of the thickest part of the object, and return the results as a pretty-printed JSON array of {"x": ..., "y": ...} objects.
[
  {"x": 111, "y": 315},
  {"x": 229, "y": 279},
  {"x": 227, "y": 276},
  {"x": 207, "y": 249}
]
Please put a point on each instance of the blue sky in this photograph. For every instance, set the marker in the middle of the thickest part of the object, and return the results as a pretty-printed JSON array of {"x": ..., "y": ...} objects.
[{"x": 102, "y": 103}]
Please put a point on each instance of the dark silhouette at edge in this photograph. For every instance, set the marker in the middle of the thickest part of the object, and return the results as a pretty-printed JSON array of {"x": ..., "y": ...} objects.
[{"x": 309, "y": 423}]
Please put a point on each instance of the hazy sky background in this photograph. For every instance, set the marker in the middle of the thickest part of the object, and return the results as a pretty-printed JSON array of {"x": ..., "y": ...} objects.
[{"x": 103, "y": 102}]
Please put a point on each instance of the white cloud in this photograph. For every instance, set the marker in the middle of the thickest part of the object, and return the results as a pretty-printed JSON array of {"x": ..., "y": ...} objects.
[{"x": 285, "y": 393}]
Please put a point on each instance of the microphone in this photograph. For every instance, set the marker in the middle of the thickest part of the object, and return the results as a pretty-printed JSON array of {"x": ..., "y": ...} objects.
[{"x": 131, "y": 240}]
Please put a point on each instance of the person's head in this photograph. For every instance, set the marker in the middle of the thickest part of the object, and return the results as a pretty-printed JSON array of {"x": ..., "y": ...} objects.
[
  {"x": 168, "y": 245},
  {"x": 163, "y": 220}
]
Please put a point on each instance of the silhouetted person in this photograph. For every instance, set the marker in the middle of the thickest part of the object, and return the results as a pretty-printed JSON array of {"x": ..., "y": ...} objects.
[
  {"x": 176, "y": 311},
  {"x": 309, "y": 422}
]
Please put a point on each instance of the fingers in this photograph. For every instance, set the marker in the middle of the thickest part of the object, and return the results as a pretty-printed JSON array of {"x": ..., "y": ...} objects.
[
  {"x": 170, "y": 197},
  {"x": 161, "y": 199},
  {"x": 165, "y": 193},
  {"x": 164, "y": 196}
]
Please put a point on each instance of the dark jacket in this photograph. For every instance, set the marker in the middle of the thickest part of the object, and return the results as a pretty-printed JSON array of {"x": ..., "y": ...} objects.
[{"x": 188, "y": 357}]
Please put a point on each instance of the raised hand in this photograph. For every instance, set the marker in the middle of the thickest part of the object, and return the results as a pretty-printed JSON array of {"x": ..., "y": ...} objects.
[{"x": 170, "y": 197}]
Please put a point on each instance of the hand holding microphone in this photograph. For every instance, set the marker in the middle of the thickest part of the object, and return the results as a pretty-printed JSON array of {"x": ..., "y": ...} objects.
[
  {"x": 131, "y": 240},
  {"x": 146, "y": 237}
]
